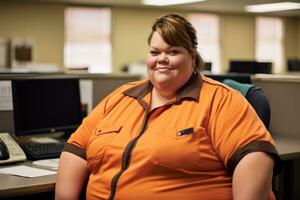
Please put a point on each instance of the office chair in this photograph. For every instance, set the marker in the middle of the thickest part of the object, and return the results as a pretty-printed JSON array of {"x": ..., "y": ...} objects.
[
  {"x": 255, "y": 97},
  {"x": 261, "y": 105}
]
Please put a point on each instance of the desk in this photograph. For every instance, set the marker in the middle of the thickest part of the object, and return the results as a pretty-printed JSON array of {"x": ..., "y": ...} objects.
[
  {"x": 287, "y": 182},
  {"x": 13, "y": 186},
  {"x": 288, "y": 148}
]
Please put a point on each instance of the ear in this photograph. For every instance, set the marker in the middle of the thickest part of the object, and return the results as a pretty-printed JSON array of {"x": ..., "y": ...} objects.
[{"x": 193, "y": 58}]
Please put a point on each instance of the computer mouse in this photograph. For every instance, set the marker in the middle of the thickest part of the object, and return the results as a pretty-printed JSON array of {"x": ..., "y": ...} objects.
[{"x": 4, "y": 154}]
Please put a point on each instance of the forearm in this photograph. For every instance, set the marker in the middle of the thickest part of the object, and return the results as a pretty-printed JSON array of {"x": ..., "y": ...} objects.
[
  {"x": 72, "y": 174},
  {"x": 252, "y": 178}
]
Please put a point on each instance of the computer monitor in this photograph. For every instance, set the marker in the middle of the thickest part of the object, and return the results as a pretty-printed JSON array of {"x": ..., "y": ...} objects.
[
  {"x": 46, "y": 105},
  {"x": 207, "y": 66},
  {"x": 293, "y": 65},
  {"x": 251, "y": 67}
]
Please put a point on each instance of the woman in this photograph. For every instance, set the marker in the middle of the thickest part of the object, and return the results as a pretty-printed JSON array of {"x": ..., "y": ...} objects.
[{"x": 178, "y": 135}]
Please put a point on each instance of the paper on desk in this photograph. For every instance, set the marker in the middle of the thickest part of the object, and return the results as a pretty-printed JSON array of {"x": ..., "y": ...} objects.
[
  {"x": 51, "y": 163},
  {"x": 44, "y": 140},
  {"x": 26, "y": 171}
]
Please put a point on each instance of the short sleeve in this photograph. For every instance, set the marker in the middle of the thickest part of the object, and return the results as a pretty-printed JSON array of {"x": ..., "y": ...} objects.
[
  {"x": 78, "y": 141},
  {"x": 236, "y": 130}
]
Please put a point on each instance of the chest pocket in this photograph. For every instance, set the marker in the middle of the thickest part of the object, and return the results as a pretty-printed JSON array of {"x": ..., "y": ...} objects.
[
  {"x": 178, "y": 151},
  {"x": 104, "y": 133}
]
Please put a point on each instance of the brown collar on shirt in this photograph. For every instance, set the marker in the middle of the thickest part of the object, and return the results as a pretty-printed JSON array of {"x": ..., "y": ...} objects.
[{"x": 190, "y": 89}]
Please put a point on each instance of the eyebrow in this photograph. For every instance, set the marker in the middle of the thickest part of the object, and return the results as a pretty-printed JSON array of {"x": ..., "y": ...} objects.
[{"x": 168, "y": 48}]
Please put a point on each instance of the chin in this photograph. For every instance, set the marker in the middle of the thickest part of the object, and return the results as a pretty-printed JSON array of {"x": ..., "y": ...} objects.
[{"x": 164, "y": 80}]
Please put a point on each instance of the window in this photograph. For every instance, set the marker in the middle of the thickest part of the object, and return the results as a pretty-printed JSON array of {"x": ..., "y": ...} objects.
[
  {"x": 87, "y": 39},
  {"x": 207, "y": 27},
  {"x": 269, "y": 41}
]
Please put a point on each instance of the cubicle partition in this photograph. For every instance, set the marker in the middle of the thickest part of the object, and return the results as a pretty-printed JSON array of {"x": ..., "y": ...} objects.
[{"x": 283, "y": 92}]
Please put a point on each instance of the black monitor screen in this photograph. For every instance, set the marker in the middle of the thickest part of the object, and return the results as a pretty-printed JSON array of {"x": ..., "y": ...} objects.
[
  {"x": 46, "y": 105},
  {"x": 294, "y": 65},
  {"x": 252, "y": 67},
  {"x": 207, "y": 66}
]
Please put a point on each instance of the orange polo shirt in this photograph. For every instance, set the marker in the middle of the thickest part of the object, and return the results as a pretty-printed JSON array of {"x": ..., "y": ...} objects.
[{"x": 186, "y": 149}]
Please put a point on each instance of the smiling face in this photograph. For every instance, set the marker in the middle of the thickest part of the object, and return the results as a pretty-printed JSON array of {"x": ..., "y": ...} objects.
[{"x": 169, "y": 67}]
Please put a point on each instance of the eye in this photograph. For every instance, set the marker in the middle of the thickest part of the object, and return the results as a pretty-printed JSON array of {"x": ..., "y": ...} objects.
[
  {"x": 154, "y": 53},
  {"x": 173, "y": 52}
]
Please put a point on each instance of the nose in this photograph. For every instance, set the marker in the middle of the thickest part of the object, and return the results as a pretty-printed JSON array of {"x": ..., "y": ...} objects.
[{"x": 163, "y": 59}]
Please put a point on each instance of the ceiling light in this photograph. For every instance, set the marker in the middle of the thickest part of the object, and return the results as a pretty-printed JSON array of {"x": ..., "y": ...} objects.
[
  {"x": 168, "y": 2},
  {"x": 271, "y": 7}
]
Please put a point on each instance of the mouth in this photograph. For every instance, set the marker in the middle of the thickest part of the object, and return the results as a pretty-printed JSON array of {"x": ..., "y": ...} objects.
[{"x": 163, "y": 69}]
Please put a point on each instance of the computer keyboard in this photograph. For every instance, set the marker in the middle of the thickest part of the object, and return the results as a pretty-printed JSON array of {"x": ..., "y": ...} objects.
[{"x": 36, "y": 151}]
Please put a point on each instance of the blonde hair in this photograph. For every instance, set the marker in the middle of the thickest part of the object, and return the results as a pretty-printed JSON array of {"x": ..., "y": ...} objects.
[{"x": 177, "y": 31}]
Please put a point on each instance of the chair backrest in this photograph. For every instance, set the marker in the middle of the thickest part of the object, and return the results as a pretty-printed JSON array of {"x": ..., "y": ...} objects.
[{"x": 255, "y": 97}]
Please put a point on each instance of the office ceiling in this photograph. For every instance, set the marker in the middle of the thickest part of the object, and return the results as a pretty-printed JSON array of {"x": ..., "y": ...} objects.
[{"x": 220, "y": 6}]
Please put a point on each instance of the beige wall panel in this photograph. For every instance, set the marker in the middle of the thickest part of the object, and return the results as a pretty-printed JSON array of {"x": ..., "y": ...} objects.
[
  {"x": 298, "y": 36},
  {"x": 43, "y": 23},
  {"x": 237, "y": 35},
  {"x": 130, "y": 30},
  {"x": 291, "y": 37}
]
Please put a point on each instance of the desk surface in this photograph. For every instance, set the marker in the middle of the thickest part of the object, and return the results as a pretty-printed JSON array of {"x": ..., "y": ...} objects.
[
  {"x": 18, "y": 186},
  {"x": 288, "y": 149}
]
